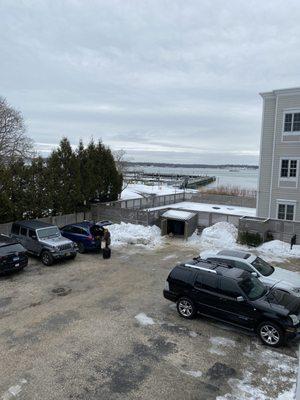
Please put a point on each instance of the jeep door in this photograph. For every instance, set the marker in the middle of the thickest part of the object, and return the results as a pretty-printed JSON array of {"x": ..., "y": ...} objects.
[
  {"x": 22, "y": 237},
  {"x": 33, "y": 243},
  {"x": 242, "y": 313},
  {"x": 205, "y": 293}
]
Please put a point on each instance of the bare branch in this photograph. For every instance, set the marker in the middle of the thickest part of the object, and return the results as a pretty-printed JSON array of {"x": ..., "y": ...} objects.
[{"x": 14, "y": 144}]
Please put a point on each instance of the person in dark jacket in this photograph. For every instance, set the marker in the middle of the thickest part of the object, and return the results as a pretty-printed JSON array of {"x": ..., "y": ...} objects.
[
  {"x": 106, "y": 238},
  {"x": 293, "y": 241}
]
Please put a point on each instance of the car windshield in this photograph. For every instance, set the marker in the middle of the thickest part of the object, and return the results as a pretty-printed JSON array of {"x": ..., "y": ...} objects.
[
  {"x": 262, "y": 266},
  {"x": 48, "y": 232},
  {"x": 253, "y": 288}
]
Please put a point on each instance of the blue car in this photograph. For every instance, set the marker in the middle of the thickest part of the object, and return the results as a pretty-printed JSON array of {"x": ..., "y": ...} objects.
[{"x": 86, "y": 235}]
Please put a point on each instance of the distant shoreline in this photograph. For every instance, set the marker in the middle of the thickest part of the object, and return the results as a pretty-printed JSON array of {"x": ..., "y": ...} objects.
[{"x": 172, "y": 165}]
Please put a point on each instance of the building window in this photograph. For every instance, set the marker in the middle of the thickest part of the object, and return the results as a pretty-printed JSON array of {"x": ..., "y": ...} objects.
[
  {"x": 292, "y": 122},
  {"x": 286, "y": 211},
  {"x": 288, "y": 169}
]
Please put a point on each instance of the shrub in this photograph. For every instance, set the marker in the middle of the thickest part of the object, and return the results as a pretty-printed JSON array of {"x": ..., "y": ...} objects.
[{"x": 250, "y": 239}]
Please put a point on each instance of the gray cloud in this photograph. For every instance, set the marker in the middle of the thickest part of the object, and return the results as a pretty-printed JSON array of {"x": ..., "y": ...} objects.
[{"x": 163, "y": 79}]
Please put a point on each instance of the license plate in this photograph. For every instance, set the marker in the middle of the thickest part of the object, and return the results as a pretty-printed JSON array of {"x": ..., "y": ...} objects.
[
  {"x": 16, "y": 258},
  {"x": 67, "y": 254},
  {"x": 17, "y": 265}
]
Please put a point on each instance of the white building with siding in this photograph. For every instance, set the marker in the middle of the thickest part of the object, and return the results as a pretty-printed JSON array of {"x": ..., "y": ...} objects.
[{"x": 279, "y": 181}]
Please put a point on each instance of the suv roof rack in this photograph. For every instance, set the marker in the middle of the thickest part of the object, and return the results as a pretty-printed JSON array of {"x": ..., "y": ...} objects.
[{"x": 201, "y": 268}]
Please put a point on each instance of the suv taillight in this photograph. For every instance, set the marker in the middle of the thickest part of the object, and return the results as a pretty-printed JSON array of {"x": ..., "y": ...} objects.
[{"x": 167, "y": 287}]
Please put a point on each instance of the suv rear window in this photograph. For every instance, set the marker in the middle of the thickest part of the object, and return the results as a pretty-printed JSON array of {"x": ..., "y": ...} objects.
[{"x": 182, "y": 274}]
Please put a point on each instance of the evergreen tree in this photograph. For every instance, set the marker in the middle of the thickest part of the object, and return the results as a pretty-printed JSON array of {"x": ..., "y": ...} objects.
[
  {"x": 37, "y": 195},
  {"x": 64, "y": 179}
]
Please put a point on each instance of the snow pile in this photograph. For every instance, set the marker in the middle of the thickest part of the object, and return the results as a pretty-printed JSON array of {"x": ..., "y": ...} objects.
[
  {"x": 279, "y": 249},
  {"x": 219, "y": 235},
  {"x": 195, "y": 374},
  {"x": 123, "y": 234}
]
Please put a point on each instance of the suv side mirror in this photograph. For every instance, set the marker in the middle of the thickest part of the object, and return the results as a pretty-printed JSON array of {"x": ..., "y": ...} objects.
[{"x": 239, "y": 299}]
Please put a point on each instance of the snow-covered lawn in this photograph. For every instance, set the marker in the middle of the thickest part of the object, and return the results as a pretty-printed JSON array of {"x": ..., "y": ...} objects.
[
  {"x": 137, "y": 190},
  {"x": 215, "y": 208}
]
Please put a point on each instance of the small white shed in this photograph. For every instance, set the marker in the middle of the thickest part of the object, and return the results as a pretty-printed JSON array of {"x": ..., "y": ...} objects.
[{"x": 179, "y": 223}]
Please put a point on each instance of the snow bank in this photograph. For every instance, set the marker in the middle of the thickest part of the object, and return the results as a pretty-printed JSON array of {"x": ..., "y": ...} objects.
[
  {"x": 124, "y": 234},
  {"x": 219, "y": 235},
  {"x": 279, "y": 249}
]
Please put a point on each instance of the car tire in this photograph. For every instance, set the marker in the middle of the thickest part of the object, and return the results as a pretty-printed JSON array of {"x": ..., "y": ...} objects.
[
  {"x": 72, "y": 256},
  {"x": 270, "y": 334},
  {"x": 186, "y": 308},
  {"x": 81, "y": 248},
  {"x": 47, "y": 258}
]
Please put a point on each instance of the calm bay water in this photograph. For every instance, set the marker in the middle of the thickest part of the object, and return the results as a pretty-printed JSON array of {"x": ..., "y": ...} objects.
[{"x": 243, "y": 178}]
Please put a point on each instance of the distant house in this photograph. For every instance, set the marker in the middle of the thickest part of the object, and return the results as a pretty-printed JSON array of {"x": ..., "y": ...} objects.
[{"x": 279, "y": 181}]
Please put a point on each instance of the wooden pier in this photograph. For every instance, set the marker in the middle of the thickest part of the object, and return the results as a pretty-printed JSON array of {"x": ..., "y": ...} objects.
[{"x": 179, "y": 180}]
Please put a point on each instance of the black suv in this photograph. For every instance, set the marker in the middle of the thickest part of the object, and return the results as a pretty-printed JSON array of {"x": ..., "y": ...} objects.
[
  {"x": 235, "y": 296},
  {"x": 12, "y": 255}
]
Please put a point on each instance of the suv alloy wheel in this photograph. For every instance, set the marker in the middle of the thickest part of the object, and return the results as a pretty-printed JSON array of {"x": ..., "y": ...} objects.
[
  {"x": 47, "y": 258},
  {"x": 271, "y": 334},
  {"x": 186, "y": 308}
]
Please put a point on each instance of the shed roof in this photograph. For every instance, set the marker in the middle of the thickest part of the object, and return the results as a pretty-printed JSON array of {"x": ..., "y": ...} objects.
[{"x": 178, "y": 215}]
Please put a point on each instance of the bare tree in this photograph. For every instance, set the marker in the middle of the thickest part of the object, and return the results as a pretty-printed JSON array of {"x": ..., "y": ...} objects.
[
  {"x": 14, "y": 144},
  {"x": 119, "y": 156},
  {"x": 120, "y": 160}
]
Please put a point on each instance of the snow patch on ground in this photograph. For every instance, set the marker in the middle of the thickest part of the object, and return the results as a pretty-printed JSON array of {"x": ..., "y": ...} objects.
[
  {"x": 170, "y": 257},
  {"x": 144, "y": 320},
  {"x": 279, "y": 367},
  {"x": 288, "y": 395},
  {"x": 195, "y": 374},
  {"x": 219, "y": 344},
  {"x": 14, "y": 391},
  {"x": 130, "y": 234},
  {"x": 242, "y": 389}
]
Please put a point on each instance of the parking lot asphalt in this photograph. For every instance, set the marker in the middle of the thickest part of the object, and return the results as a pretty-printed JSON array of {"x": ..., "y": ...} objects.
[{"x": 101, "y": 329}]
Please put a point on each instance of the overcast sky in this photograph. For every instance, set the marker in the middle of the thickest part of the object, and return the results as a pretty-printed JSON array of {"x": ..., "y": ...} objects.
[{"x": 166, "y": 80}]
